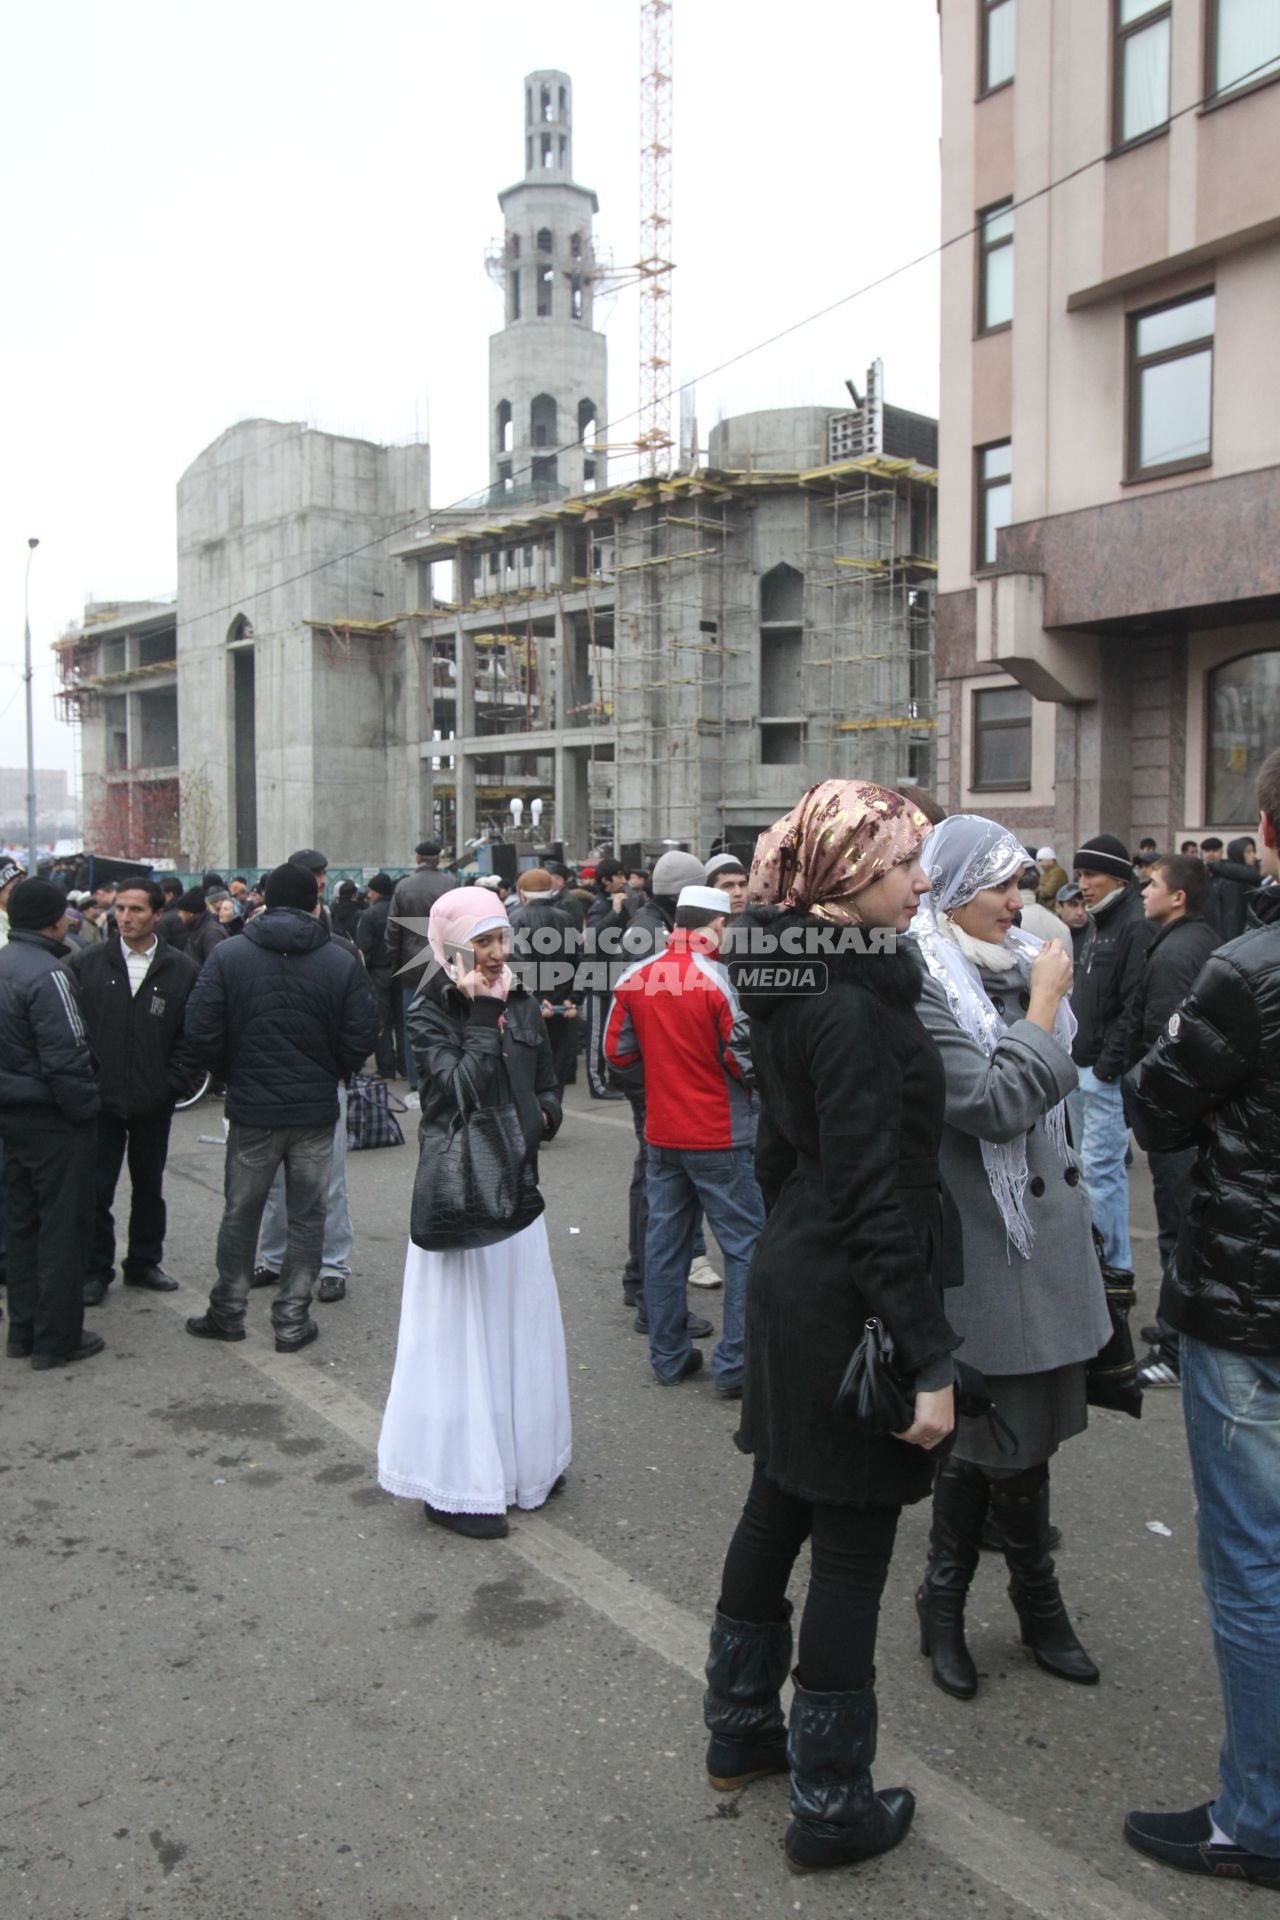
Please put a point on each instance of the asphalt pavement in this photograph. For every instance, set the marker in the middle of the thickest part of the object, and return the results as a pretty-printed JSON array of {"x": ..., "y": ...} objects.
[{"x": 239, "y": 1682}]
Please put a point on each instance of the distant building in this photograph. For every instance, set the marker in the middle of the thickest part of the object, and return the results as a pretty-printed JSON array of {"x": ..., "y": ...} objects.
[{"x": 1109, "y": 612}]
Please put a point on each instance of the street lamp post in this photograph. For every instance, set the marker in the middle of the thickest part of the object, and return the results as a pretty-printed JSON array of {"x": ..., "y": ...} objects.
[{"x": 32, "y": 544}]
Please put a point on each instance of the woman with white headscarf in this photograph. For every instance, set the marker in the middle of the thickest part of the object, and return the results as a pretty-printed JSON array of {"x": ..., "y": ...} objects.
[
  {"x": 477, "y": 1419},
  {"x": 1032, "y": 1309}
]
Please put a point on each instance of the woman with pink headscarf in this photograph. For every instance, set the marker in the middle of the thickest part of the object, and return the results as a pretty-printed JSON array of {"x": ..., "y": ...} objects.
[{"x": 477, "y": 1419}]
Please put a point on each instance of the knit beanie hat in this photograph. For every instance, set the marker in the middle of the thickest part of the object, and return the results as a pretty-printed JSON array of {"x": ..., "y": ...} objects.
[
  {"x": 725, "y": 863},
  {"x": 382, "y": 883},
  {"x": 292, "y": 886},
  {"x": 193, "y": 901},
  {"x": 35, "y": 905},
  {"x": 676, "y": 870},
  {"x": 1104, "y": 854}
]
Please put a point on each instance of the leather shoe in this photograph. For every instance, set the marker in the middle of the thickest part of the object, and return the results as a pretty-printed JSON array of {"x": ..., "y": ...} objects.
[
  {"x": 18, "y": 1345},
  {"x": 472, "y": 1526},
  {"x": 332, "y": 1287},
  {"x": 206, "y": 1329},
  {"x": 309, "y": 1333},
  {"x": 1185, "y": 1840},
  {"x": 694, "y": 1325},
  {"x": 94, "y": 1292},
  {"x": 90, "y": 1343},
  {"x": 692, "y": 1365},
  {"x": 732, "y": 1391},
  {"x": 154, "y": 1280},
  {"x": 264, "y": 1277}
]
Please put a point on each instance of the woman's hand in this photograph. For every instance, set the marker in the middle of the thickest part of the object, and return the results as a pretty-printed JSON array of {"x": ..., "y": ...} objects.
[
  {"x": 1051, "y": 977},
  {"x": 935, "y": 1419}
]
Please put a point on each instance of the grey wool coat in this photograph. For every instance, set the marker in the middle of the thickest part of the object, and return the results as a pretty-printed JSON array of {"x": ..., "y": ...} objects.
[{"x": 1017, "y": 1316}]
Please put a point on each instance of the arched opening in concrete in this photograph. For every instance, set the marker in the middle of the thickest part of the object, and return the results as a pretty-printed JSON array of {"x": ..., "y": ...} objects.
[
  {"x": 506, "y": 427},
  {"x": 542, "y": 421}
]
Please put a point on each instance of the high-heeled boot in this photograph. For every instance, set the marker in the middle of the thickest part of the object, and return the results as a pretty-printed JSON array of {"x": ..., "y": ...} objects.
[
  {"x": 742, "y": 1705},
  {"x": 1022, "y": 1507},
  {"x": 839, "y": 1817},
  {"x": 960, "y": 1496}
]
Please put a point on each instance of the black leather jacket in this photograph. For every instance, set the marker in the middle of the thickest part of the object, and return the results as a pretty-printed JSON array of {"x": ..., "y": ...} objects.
[
  {"x": 46, "y": 1068},
  {"x": 1107, "y": 975},
  {"x": 1212, "y": 1081},
  {"x": 459, "y": 1047},
  {"x": 1169, "y": 972}
]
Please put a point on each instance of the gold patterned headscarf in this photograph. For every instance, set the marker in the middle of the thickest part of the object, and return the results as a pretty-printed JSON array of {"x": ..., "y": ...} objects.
[{"x": 839, "y": 838}]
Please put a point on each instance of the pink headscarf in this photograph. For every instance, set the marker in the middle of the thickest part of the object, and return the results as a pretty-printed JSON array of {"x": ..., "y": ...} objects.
[
  {"x": 837, "y": 839},
  {"x": 458, "y": 917}
]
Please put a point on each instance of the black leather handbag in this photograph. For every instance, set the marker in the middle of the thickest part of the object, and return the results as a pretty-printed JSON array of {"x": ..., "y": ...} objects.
[
  {"x": 475, "y": 1184},
  {"x": 878, "y": 1397}
]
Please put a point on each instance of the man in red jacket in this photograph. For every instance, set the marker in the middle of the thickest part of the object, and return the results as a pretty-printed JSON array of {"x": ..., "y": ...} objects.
[{"x": 678, "y": 1013}]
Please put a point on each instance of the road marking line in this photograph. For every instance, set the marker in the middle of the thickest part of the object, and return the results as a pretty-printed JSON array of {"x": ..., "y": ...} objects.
[{"x": 997, "y": 1847}]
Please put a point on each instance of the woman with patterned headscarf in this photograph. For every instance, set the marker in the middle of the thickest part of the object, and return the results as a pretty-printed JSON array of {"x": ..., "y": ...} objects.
[
  {"x": 477, "y": 1419},
  {"x": 1032, "y": 1309},
  {"x": 847, "y": 1159}
]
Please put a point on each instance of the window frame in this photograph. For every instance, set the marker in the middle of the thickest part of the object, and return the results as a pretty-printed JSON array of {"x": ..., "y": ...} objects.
[
  {"x": 1119, "y": 34},
  {"x": 1134, "y": 473},
  {"x": 985, "y": 9},
  {"x": 979, "y": 728},
  {"x": 986, "y": 248},
  {"x": 981, "y": 488},
  {"x": 1215, "y": 96}
]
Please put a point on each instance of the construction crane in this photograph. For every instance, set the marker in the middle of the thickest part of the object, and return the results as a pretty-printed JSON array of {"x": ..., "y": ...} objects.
[{"x": 655, "y": 265}]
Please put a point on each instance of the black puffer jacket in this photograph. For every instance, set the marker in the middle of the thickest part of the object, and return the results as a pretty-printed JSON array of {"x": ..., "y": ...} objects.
[
  {"x": 1110, "y": 966},
  {"x": 1173, "y": 962},
  {"x": 1212, "y": 1081},
  {"x": 137, "y": 1038},
  {"x": 459, "y": 1046},
  {"x": 282, "y": 1015},
  {"x": 46, "y": 1068},
  {"x": 852, "y": 1097}
]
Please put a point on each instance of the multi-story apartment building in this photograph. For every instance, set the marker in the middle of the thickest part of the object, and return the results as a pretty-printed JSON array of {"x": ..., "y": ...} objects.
[{"x": 1109, "y": 531}]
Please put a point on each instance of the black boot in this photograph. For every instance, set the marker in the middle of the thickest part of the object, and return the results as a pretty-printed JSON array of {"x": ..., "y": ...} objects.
[
  {"x": 1022, "y": 1507},
  {"x": 839, "y": 1816},
  {"x": 959, "y": 1508},
  {"x": 742, "y": 1706}
]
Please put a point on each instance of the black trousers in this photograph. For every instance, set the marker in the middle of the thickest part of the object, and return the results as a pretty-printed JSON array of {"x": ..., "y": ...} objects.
[
  {"x": 850, "y": 1548},
  {"x": 145, "y": 1140},
  {"x": 49, "y": 1206},
  {"x": 562, "y": 1032},
  {"x": 389, "y": 1044}
]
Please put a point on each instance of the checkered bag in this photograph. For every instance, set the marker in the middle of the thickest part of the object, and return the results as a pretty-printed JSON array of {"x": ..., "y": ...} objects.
[{"x": 370, "y": 1120}]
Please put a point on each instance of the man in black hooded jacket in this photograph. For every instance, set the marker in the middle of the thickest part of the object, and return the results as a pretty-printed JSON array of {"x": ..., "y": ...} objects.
[
  {"x": 282, "y": 1014},
  {"x": 1234, "y": 881},
  {"x": 1212, "y": 1082}
]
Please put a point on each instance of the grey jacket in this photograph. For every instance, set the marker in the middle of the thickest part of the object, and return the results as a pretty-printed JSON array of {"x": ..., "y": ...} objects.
[
  {"x": 1016, "y": 1315},
  {"x": 413, "y": 899}
]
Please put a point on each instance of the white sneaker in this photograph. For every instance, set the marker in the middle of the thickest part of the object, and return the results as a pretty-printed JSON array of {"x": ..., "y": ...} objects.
[{"x": 703, "y": 1274}]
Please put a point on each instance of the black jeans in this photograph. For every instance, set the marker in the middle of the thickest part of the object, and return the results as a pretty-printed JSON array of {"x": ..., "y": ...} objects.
[
  {"x": 562, "y": 1032},
  {"x": 253, "y": 1154},
  {"x": 851, "y": 1548},
  {"x": 1170, "y": 1182},
  {"x": 49, "y": 1203},
  {"x": 390, "y": 1005},
  {"x": 145, "y": 1139}
]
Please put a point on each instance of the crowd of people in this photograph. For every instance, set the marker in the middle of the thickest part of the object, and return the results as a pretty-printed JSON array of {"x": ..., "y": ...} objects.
[{"x": 892, "y": 1058}]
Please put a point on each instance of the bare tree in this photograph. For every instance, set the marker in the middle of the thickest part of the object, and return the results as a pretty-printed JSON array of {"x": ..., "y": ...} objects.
[{"x": 201, "y": 820}]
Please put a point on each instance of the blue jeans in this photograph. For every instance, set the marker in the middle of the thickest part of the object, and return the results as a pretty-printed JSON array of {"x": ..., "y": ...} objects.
[
  {"x": 339, "y": 1238},
  {"x": 1102, "y": 1149},
  {"x": 681, "y": 1182},
  {"x": 638, "y": 1206},
  {"x": 1232, "y": 1406}
]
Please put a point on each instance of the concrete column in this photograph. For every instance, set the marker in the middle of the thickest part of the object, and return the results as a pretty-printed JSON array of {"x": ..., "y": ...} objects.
[
  {"x": 465, "y": 655},
  {"x": 465, "y": 775}
]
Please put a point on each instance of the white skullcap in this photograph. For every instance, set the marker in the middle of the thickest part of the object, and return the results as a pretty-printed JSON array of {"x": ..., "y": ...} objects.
[
  {"x": 709, "y": 899},
  {"x": 1045, "y": 853}
]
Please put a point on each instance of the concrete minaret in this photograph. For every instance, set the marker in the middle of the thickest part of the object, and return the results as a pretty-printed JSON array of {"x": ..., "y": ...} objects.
[{"x": 547, "y": 367}]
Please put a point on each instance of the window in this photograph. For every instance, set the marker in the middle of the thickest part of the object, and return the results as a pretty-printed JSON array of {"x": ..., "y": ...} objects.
[
  {"x": 1141, "y": 98},
  {"x": 995, "y": 267},
  {"x": 575, "y": 298},
  {"x": 1243, "y": 43},
  {"x": 564, "y": 104},
  {"x": 546, "y": 280},
  {"x": 1171, "y": 387},
  {"x": 544, "y": 240},
  {"x": 997, "y": 25},
  {"x": 513, "y": 294},
  {"x": 1001, "y": 738},
  {"x": 587, "y": 421},
  {"x": 513, "y": 245},
  {"x": 994, "y": 482},
  {"x": 1244, "y": 725},
  {"x": 542, "y": 421},
  {"x": 575, "y": 246},
  {"x": 506, "y": 427}
]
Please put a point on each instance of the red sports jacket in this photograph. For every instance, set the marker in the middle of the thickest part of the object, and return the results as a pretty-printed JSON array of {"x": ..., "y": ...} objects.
[{"x": 678, "y": 1015}]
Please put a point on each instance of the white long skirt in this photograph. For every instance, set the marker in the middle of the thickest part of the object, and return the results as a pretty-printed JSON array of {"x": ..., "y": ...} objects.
[{"x": 477, "y": 1419}]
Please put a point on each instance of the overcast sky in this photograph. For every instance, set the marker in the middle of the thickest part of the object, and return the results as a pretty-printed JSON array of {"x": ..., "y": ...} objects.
[{"x": 280, "y": 208}]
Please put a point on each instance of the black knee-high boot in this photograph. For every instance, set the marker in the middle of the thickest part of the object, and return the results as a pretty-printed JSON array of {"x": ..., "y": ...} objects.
[
  {"x": 959, "y": 1508},
  {"x": 742, "y": 1706},
  {"x": 839, "y": 1817},
  {"x": 1021, "y": 1505}
]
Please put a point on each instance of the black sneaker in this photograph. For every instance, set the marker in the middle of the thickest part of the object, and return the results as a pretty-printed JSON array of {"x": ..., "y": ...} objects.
[
  {"x": 332, "y": 1287},
  {"x": 1184, "y": 1840},
  {"x": 90, "y": 1343},
  {"x": 694, "y": 1325},
  {"x": 472, "y": 1526},
  {"x": 1160, "y": 1369},
  {"x": 263, "y": 1277}
]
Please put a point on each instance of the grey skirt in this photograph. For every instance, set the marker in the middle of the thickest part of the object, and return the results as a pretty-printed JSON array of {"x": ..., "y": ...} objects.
[{"x": 1043, "y": 1409}]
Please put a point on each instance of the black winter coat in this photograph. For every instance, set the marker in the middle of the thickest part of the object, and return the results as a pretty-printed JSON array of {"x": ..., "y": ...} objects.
[
  {"x": 172, "y": 928},
  {"x": 1212, "y": 1081},
  {"x": 46, "y": 1068},
  {"x": 282, "y": 1015},
  {"x": 371, "y": 935},
  {"x": 1107, "y": 975},
  {"x": 459, "y": 1049},
  {"x": 204, "y": 935},
  {"x": 137, "y": 1038},
  {"x": 852, "y": 1095},
  {"x": 545, "y": 970},
  {"x": 413, "y": 899},
  {"x": 1169, "y": 972},
  {"x": 1233, "y": 883}
]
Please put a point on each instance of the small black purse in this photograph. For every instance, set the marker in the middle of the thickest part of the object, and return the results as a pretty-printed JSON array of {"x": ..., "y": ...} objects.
[{"x": 877, "y": 1397}]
